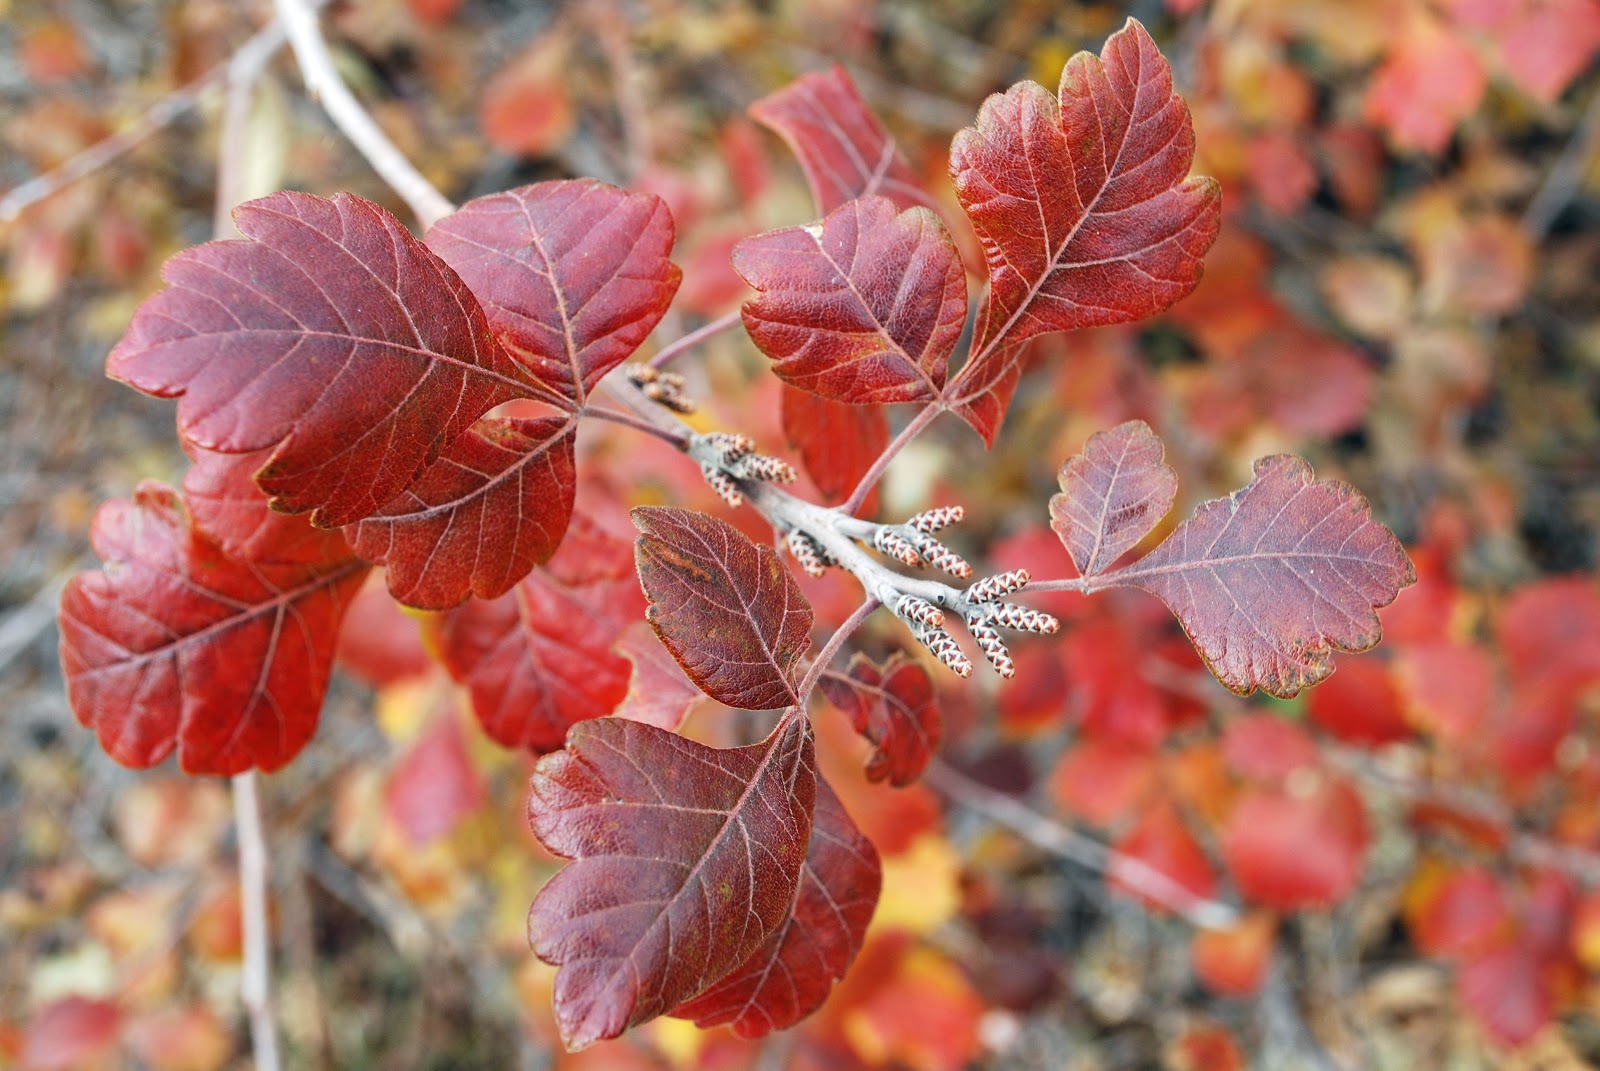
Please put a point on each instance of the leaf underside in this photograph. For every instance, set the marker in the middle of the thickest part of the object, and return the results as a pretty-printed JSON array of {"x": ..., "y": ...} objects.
[
  {"x": 727, "y": 609},
  {"x": 893, "y": 706},
  {"x": 688, "y": 859},
  {"x": 1271, "y": 580},
  {"x": 1112, "y": 495}
]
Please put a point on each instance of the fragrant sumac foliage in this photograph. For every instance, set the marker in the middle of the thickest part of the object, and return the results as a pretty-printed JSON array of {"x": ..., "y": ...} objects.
[{"x": 421, "y": 415}]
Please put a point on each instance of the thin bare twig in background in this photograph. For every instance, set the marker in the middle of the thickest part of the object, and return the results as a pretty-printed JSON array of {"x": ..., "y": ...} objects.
[
  {"x": 354, "y": 121},
  {"x": 1565, "y": 176}
]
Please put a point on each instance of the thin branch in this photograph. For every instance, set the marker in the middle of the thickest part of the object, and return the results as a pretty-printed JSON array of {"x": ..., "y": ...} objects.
[
  {"x": 255, "y": 987},
  {"x": 1082, "y": 585},
  {"x": 1566, "y": 176},
  {"x": 1067, "y": 843},
  {"x": 678, "y": 347},
  {"x": 253, "y": 54},
  {"x": 870, "y": 479},
  {"x": 819, "y": 664},
  {"x": 353, "y": 120},
  {"x": 628, "y": 420}
]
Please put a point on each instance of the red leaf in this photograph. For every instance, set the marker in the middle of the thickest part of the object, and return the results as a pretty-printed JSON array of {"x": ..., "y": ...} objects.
[
  {"x": 178, "y": 645},
  {"x": 380, "y": 643},
  {"x": 893, "y": 706},
  {"x": 355, "y": 387},
  {"x": 1234, "y": 962},
  {"x": 727, "y": 609},
  {"x": 1268, "y": 581},
  {"x": 1359, "y": 703},
  {"x": 1549, "y": 633},
  {"x": 1449, "y": 688},
  {"x": 1295, "y": 849},
  {"x": 842, "y": 148},
  {"x": 865, "y": 307},
  {"x": 1509, "y": 991},
  {"x": 1082, "y": 204},
  {"x": 837, "y": 442},
  {"x": 227, "y": 507},
  {"x": 493, "y": 506},
  {"x": 1101, "y": 779},
  {"x": 688, "y": 859},
  {"x": 1266, "y": 748},
  {"x": 1164, "y": 843},
  {"x": 1112, "y": 495},
  {"x": 434, "y": 785},
  {"x": 659, "y": 693},
  {"x": 1549, "y": 44},
  {"x": 1466, "y": 913},
  {"x": 791, "y": 976},
  {"x": 540, "y": 659},
  {"x": 572, "y": 275}
]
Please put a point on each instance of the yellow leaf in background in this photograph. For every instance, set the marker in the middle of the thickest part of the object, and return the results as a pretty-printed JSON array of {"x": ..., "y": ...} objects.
[
  {"x": 679, "y": 1040},
  {"x": 405, "y": 706},
  {"x": 921, "y": 889}
]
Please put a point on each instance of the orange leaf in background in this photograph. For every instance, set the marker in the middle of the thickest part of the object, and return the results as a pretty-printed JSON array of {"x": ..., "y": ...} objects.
[
  {"x": 1479, "y": 266},
  {"x": 1162, "y": 841},
  {"x": 1234, "y": 962},
  {"x": 1205, "y": 1048},
  {"x": 1430, "y": 81},
  {"x": 1371, "y": 294},
  {"x": 52, "y": 52},
  {"x": 1586, "y": 931},
  {"x": 1101, "y": 779},
  {"x": 187, "y": 1038},
  {"x": 1359, "y": 703},
  {"x": 1301, "y": 847},
  {"x": 433, "y": 12},
  {"x": 526, "y": 108},
  {"x": 923, "y": 1018}
]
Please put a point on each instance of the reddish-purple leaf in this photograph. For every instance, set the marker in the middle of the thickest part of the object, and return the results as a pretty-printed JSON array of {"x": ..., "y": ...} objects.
[
  {"x": 1112, "y": 495},
  {"x": 841, "y": 146},
  {"x": 659, "y": 693},
  {"x": 540, "y": 659},
  {"x": 1082, "y": 204},
  {"x": 864, "y": 307},
  {"x": 176, "y": 645},
  {"x": 727, "y": 609},
  {"x": 893, "y": 706},
  {"x": 1270, "y": 580},
  {"x": 791, "y": 976},
  {"x": 493, "y": 506},
  {"x": 837, "y": 442},
  {"x": 688, "y": 859},
  {"x": 227, "y": 507},
  {"x": 332, "y": 337},
  {"x": 573, "y": 275}
]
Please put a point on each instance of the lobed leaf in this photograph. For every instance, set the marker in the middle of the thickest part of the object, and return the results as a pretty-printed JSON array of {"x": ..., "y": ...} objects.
[
  {"x": 791, "y": 976},
  {"x": 1271, "y": 580},
  {"x": 864, "y": 307},
  {"x": 727, "y": 609},
  {"x": 1082, "y": 205},
  {"x": 495, "y": 504},
  {"x": 177, "y": 645},
  {"x": 541, "y": 658},
  {"x": 893, "y": 706},
  {"x": 688, "y": 859},
  {"x": 1112, "y": 495},
  {"x": 843, "y": 149},
  {"x": 573, "y": 275},
  {"x": 329, "y": 336}
]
